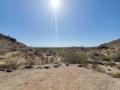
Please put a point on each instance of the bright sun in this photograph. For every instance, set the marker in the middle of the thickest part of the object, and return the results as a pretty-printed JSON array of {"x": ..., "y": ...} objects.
[{"x": 55, "y": 4}]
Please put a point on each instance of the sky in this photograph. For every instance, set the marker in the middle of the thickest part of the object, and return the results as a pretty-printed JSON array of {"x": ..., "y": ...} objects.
[{"x": 79, "y": 22}]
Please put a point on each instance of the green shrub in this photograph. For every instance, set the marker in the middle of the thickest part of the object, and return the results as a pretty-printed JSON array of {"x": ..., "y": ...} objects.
[
  {"x": 116, "y": 57},
  {"x": 11, "y": 64},
  {"x": 116, "y": 75},
  {"x": 101, "y": 57},
  {"x": 29, "y": 63},
  {"x": 75, "y": 58}
]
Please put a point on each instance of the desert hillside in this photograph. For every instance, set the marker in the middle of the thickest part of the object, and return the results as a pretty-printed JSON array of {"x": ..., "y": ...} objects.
[
  {"x": 15, "y": 55},
  {"x": 113, "y": 44},
  {"x": 8, "y": 43}
]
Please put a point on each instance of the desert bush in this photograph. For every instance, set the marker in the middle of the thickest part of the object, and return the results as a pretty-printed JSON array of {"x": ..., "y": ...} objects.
[
  {"x": 6, "y": 68},
  {"x": 100, "y": 57},
  {"x": 106, "y": 59},
  {"x": 51, "y": 52},
  {"x": 37, "y": 52},
  {"x": 2, "y": 67},
  {"x": 116, "y": 75},
  {"x": 29, "y": 59},
  {"x": 116, "y": 57},
  {"x": 48, "y": 54},
  {"x": 28, "y": 67},
  {"x": 29, "y": 64},
  {"x": 112, "y": 64},
  {"x": 97, "y": 68},
  {"x": 11, "y": 64},
  {"x": 75, "y": 58}
]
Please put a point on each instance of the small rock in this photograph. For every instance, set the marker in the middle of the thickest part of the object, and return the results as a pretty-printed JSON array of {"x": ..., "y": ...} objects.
[{"x": 46, "y": 67}]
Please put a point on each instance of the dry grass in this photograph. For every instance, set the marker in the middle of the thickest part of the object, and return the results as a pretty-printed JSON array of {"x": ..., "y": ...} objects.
[
  {"x": 116, "y": 75},
  {"x": 97, "y": 68}
]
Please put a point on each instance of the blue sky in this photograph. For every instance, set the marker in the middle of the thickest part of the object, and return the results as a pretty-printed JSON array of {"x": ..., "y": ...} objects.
[{"x": 80, "y": 22}]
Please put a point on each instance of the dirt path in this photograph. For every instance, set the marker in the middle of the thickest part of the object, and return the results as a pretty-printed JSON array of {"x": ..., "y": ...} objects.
[{"x": 63, "y": 78}]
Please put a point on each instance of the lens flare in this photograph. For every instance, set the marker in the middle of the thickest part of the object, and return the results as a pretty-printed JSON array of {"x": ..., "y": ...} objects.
[{"x": 55, "y": 4}]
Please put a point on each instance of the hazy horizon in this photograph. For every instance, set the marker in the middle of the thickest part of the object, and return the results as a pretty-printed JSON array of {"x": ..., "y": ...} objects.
[{"x": 85, "y": 23}]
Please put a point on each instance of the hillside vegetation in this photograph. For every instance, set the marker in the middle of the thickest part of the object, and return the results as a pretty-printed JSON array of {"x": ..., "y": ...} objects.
[{"x": 15, "y": 55}]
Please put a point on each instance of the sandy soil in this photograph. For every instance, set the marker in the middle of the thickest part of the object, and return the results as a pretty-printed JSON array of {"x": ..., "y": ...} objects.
[{"x": 62, "y": 78}]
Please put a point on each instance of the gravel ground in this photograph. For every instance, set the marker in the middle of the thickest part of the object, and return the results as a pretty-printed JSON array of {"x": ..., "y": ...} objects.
[{"x": 62, "y": 78}]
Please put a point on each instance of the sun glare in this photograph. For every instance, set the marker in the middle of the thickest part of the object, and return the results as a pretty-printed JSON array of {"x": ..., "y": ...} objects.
[{"x": 55, "y": 4}]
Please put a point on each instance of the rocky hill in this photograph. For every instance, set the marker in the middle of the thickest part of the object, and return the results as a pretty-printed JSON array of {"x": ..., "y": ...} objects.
[
  {"x": 8, "y": 44},
  {"x": 111, "y": 48},
  {"x": 113, "y": 44}
]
